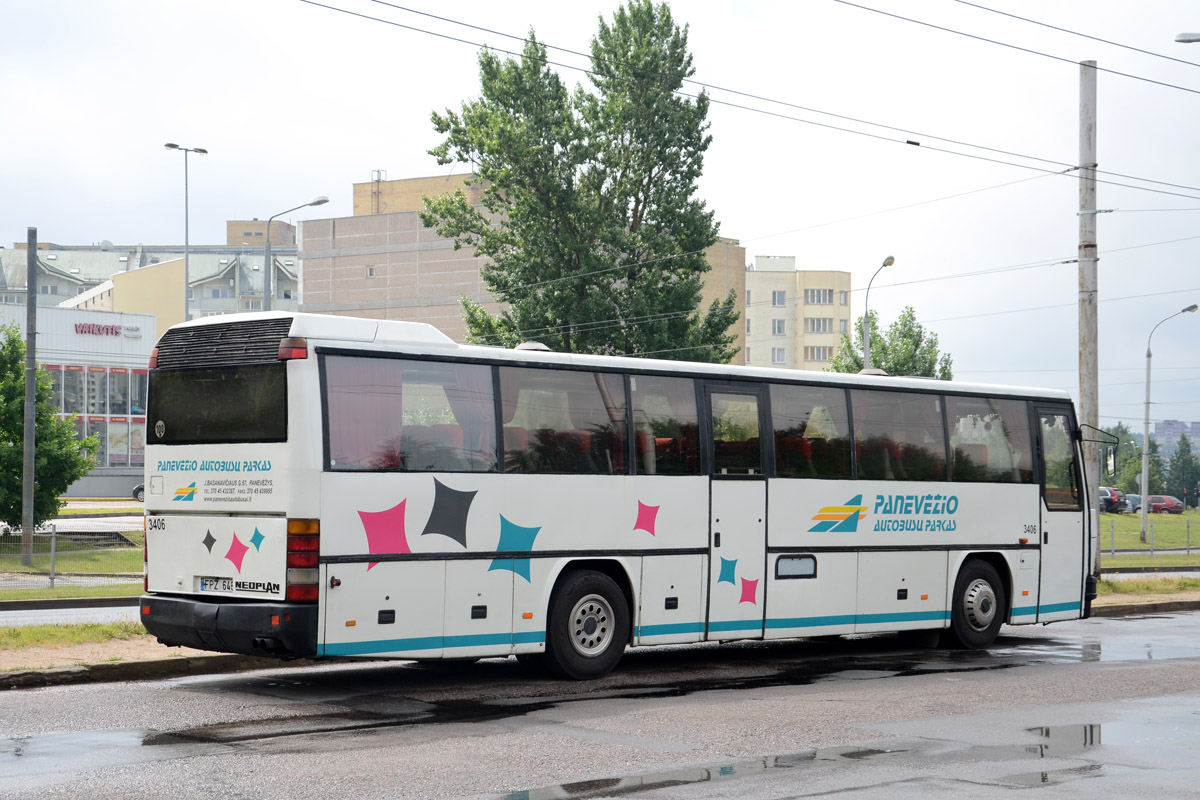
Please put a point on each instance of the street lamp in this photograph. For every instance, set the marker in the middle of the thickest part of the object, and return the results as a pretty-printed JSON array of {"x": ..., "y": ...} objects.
[
  {"x": 887, "y": 262},
  {"x": 1146, "y": 423},
  {"x": 268, "y": 267},
  {"x": 1188, "y": 38},
  {"x": 186, "y": 273}
]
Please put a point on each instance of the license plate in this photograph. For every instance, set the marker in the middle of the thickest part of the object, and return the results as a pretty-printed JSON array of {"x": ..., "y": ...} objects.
[{"x": 216, "y": 584}]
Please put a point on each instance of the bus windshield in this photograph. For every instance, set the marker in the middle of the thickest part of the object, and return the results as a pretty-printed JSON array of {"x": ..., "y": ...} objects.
[{"x": 245, "y": 403}]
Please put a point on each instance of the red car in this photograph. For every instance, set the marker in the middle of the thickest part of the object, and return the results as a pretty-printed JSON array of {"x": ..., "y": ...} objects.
[{"x": 1165, "y": 504}]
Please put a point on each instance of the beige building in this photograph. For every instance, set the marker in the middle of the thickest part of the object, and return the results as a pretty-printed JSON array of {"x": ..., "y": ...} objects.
[
  {"x": 794, "y": 318},
  {"x": 383, "y": 263},
  {"x": 252, "y": 233}
]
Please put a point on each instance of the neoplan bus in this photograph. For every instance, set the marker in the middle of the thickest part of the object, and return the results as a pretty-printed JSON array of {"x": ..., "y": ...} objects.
[{"x": 329, "y": 486}]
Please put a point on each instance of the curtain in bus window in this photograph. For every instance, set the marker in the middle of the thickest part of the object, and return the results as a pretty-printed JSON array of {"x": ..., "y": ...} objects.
[
  {"x": 363, "y": 398},
  {"x": 990, "y": 440},
  {"x": 811, "y": 431},
  {"x": 448, "y": 418},
  {"x": 737, "y": 446},
  {"x": 562, "y": 421},
  {"x": 665, "y": 425},
  {"x": 898, "y": 435}
]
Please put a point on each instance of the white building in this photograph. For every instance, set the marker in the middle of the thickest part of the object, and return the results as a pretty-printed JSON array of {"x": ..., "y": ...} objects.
[
  {"x": 98, "y": 361},
  {"x": 794, "y": 318}
]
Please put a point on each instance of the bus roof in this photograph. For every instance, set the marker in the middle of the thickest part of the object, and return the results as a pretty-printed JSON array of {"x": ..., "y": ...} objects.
[{"x": 421, "y": 338}]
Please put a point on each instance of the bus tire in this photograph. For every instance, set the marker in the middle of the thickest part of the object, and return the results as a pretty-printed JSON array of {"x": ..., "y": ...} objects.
[
  {"x": 978, "y": 607},
  {"x": 588, "y": 626}
]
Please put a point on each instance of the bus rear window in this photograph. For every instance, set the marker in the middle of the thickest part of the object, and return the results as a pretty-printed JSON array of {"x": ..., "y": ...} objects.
[{"x": 221, "y": 405}]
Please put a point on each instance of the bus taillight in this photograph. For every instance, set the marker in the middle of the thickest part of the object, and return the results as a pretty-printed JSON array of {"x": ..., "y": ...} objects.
[
  {"x": 303, "y": 549},
  {"x": 154, "y": 358},
  {"x": 293, "y": 347}
]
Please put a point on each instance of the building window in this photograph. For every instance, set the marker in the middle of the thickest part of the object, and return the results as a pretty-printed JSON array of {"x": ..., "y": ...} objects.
[
  {"x": 844, "y": 298},
  {"x": 287, "y": 294},
  {"x": 777, "y": 327},
  {"x": 747, "y": 326},
  {"x": 778, "y": 355},
  {"x": 252, "y": 305},
  {"x": 843, "y": 325},
  {"x": 747, "y": 298},
  {"x": 818, "y": 324},
  {"x": 818, "y": 353},
  {"x": 191, "y": 294},
  {"x": 220, "y": 294},
  {"x": 370, "y": 272},
  {"x": 258, "y": 233},
  {"x": 778, "y": 298},
  {"x": 247, "y": 233},
  {"x": 818, "y": 297}
]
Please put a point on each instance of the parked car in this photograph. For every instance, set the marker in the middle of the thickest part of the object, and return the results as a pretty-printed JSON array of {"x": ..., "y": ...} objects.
[
  {"x": 139, "y": 493},
  {"x": 1135, "y": 503},
  {"x": 1108, "y": 500},
  {"x": 1122, "y": 503},
  {"x": 1165, "y": 504}
]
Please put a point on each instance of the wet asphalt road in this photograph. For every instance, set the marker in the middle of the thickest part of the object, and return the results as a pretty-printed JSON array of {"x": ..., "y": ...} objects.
[{"x": 1103, "y": 706}]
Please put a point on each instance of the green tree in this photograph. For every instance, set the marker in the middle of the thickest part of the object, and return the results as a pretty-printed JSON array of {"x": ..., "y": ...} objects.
[
  {"x": 1129, "y": 478},
  {"x": 589, "y": 214},
  {"x": 60, "y": 459},
  {"x": 1183, "y": 472},
  {"x": 905, "y": 349}
]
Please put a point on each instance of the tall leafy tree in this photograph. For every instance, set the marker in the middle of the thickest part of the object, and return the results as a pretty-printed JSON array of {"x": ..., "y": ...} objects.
[
  {"x": 1183, "y": 472},
  {"x": 59, "y": 458},
  {"x": 906, "y": 348},
  {"x": 1129, "y": 479},
  {"x": 589, "y": 210}
]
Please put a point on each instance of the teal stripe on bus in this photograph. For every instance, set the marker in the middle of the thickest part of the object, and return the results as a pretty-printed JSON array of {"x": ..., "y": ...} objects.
[
  {"x": 1024, "y": 611},
  {"x": 672, "y": 628},
  {"x": 1054, "y": 608},
  {"x": 429, "y": 643},
  {"x": 736, "y": 625},
  {"x": 857, "y": 619}
]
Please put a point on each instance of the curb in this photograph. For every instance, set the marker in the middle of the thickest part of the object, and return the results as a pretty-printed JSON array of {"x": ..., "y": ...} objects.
[
  {"x": 110, "y": 671},
  {"x": 138, "y": 670},
  {"x": 53, "y": 603}
]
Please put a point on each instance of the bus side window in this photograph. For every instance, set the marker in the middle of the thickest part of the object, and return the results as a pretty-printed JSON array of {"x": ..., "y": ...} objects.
[
  {"x": 665, "y": 425},
  {"x": 1062, "y": 481},
  {"x": 558, "y": 421},
  {"x": 899, "y": 435},
  {"x": 810, "y": 426},
  {"x": 990, "y": 440}
]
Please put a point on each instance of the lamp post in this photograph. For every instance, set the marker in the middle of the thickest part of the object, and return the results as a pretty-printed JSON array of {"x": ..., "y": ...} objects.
[
  {"x": 186, "y": 273},
  {"x": 1188, "y": 38},
  {"x": 887, "y": 262},
  {"x": 1146, "y": 423},
  {"x": 268, "y": 267}
]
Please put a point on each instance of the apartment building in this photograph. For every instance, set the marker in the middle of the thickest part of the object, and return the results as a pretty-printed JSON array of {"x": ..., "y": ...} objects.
[{"x": 794, "y": 318}]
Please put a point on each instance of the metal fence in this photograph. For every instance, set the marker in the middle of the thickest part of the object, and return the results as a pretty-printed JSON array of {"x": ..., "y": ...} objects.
[{"x": 79, "y": 557}]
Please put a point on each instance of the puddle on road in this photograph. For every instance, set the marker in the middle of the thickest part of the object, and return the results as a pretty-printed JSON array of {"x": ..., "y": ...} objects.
[
  {"x": 1061, "y": 741},
  {"x": 67, "y": 745}
]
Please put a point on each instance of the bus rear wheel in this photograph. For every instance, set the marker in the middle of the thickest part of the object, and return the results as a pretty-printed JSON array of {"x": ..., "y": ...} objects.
[
  {"x": 978, "y": 606},
  {"x": 588, "y": 626}
]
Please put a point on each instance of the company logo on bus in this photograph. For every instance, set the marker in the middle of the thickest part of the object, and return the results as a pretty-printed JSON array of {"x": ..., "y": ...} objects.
[
  {"x": 840, "y": 519},
  {"x": 185, "y": 493}
]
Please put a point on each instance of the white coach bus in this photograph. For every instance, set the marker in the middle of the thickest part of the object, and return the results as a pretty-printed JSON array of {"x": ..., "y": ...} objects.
[{"x": 329, "y": 486}]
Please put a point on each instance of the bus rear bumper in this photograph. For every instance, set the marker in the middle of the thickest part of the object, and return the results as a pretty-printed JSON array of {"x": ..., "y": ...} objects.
[{"x": 282, "y": 630}]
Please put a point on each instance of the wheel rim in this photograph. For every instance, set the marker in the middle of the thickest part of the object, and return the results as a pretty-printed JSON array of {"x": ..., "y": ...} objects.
[
  {"x": 979, "y": 603},
  {"x": 591, "y": 625}
]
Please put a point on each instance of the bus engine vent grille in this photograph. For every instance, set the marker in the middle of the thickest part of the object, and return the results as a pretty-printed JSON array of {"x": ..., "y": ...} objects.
[{"x": 223, "y": 344}]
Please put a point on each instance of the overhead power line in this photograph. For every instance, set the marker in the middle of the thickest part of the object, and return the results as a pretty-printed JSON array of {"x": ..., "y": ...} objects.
[
  {"x": 1029, "y": 50},
  {"x": 765, "y": 112},
  {"x": 1077, "y": 33}
]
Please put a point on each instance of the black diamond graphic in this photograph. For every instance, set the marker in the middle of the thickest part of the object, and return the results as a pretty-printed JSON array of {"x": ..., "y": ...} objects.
[
  {"x": 449, "y": 515},
  {"x": 209, "y": 541}
]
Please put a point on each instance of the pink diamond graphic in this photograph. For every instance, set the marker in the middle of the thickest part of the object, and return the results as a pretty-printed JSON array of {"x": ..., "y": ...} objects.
[
  {"x": 385, "y": 531},
  {"x": 749, "y": 591},
  {"x": 646, "y": 517},
  {"x": 237, "y": 551}
]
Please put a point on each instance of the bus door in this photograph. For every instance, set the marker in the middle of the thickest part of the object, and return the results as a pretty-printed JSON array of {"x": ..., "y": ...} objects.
[
  {"x": 1062, "y": 510},
  {"x": 737, "y": 510}
]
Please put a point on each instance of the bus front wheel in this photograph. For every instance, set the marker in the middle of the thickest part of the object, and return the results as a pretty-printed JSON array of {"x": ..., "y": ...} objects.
[
  {"x": 588, "y": 626},
  {"x": 978, "y": 607}
]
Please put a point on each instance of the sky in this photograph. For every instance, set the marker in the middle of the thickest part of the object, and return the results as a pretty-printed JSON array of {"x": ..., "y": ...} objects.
[{"x": 294, "y": 100}]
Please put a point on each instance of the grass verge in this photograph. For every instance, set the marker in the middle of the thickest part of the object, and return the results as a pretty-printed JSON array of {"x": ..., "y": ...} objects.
[
  {"x": 1155, "y": 585},
  {"x": 63, "y": 592},
  {"x": 64, "y": 635}
]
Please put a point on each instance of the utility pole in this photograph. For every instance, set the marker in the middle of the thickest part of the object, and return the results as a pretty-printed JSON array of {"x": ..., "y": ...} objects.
[
  {"x": 1089, "y": 399},
  {"x": 27, "y": 473}
]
